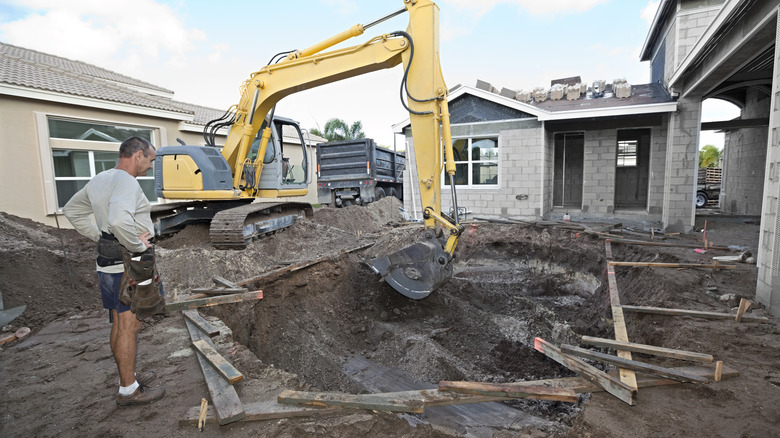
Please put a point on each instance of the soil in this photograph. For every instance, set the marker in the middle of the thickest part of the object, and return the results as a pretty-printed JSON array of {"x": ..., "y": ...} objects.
[{"x": 317, "y": 327}]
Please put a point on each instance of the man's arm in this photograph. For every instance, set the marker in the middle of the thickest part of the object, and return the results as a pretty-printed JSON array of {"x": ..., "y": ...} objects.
[{"x": 78, "y": 211}]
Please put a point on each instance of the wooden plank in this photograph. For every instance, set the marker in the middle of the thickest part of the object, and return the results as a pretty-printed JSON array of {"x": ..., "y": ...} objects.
[
  {"x": 669, "y": 244},
  {"x": 222, "y": 366},
  {"x": 610, "y": 384},
  {"x": 627, "y": 376},
  {"x": 213, "y": 301},
  {"x": 376, "y": 402},
  {"x": 634, "y": 365},
  {"x": 219, "y": 290},
  {"x": 299, "y": 266},
  {"x": 695, "y": 313},
  {"x": 224, "y": 398},
  {"x": 269, "y": 410},
  {"x": 222, "y": 281},
  {"x": 743, "y": 306},
  {"x": 199, "y": 321},
  {"x": 649, "y": 349},
  {"x": 502, "y": 390},
  {"x": 713, "y": 265}
]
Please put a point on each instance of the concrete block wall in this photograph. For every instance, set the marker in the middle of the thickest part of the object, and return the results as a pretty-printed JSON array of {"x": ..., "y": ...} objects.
[
  {"x": 655, "y": 195},
  {"x": 521, "y": 177},
  {"x": 768, "y": 285},
  {"x": 681, "y": 165},
  {"x": 744, "y": 160},
  {"x": 691, "y": 24},
  {"x": 598, "y": 196},
  {"x": 549, "y": 155}
]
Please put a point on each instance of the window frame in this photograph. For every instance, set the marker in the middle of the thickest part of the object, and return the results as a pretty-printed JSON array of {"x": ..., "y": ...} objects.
[
  {"x": 470, "y": 163},
  {"x": 635, "y": 154},
  {"x": 47, "y": 145}
]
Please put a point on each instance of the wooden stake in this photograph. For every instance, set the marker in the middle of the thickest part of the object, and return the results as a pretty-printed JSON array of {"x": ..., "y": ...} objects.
[
  {"x": 203, "y": 410},
  {"x": 718, "y": 370},
  {"x": 743, "y": 306}
]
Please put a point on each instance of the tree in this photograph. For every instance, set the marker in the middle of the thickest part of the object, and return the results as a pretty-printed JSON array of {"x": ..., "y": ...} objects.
[
  {"x": 709, "y": 156},
  {"x": 337, "y": 130}
]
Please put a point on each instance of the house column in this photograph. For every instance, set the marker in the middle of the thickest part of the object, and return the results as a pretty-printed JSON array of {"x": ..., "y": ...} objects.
[
  {"x": 682, "y": 154},
  {"x": 768, "y": 287}
]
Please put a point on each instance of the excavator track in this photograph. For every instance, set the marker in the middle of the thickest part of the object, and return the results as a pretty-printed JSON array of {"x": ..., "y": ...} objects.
[{"x": 234, "y": 228}]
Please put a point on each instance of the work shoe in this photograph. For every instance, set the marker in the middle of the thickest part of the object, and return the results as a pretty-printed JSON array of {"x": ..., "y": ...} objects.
[
  {"x": 143, "y": 395},
  {"x": 145, "y": 378}
]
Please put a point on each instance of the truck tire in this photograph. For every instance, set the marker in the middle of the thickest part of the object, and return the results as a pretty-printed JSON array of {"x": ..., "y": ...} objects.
[
  {"x": 379, "y": 193},
  {"x": 394, "y": 193},
  {"x": 701, "y": 199}
]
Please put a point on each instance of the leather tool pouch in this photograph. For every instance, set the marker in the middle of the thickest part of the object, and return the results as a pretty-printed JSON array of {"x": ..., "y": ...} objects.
[{"x": 140, "y": 287}]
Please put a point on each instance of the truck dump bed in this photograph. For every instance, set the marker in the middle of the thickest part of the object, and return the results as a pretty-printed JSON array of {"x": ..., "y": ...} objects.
[{"x": 358, "y": 159}]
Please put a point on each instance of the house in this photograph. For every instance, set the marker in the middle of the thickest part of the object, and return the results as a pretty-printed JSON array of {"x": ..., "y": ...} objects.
[
  {"x": 61, "y": 122},
  {"x": 633, "y": 153}
]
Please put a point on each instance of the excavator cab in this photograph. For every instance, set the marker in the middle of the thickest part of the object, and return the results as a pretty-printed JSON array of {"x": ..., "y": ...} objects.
[{"x": 283, "y": 168}]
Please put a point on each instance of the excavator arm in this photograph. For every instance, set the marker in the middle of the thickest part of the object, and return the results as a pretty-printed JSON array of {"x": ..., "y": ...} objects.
[{"x": 418, "y": 270}]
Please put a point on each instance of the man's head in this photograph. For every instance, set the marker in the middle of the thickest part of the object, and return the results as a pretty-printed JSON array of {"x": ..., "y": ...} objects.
[{"x": 136, "y": 156}]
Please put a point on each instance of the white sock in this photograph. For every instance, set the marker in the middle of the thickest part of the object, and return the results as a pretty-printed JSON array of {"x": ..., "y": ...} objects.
[{"x": 128, "y": 390}]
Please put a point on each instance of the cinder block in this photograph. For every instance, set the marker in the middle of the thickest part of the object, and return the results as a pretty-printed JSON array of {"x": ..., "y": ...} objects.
[
  {"x": 622, "y": 90},
  {"x": 573, "y": 92},
  {"x": 598, "y": 87},
  {"x": 506, "y": 92},
  {"x": 540, "y": 94},
  {"x": 523, "y": 96},
  {"x": 482, "y": 85},
  {"x": 557, "y": 91}
]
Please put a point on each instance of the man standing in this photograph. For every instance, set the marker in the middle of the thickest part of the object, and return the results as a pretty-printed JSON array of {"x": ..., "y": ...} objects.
[{"x": 121, "y": 217}]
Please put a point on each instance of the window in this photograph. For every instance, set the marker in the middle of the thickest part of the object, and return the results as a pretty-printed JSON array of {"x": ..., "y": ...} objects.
[
  {"x": 85, "y": 131},
  {"x": 476, "y": 162},
  {"x": 73, "y": 168},
  {"x": 627, "y": 153}
]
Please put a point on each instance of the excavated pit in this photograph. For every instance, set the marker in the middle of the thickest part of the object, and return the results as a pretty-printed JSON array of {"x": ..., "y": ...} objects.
[{"x": 339, "y": 328}]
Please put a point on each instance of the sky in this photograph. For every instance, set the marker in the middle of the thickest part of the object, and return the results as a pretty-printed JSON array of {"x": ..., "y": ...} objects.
[{"x": 204, "y": 50}]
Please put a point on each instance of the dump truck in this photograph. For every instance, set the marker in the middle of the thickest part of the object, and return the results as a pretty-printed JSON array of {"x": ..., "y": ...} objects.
[{"x": 358, "y": 172}]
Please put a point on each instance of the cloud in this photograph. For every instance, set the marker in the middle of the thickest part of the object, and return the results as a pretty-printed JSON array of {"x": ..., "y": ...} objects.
[
  {"x": 648, "y": 13},
  {"x": 535, "y": 7},
  {"x": 115, "y": 34}
]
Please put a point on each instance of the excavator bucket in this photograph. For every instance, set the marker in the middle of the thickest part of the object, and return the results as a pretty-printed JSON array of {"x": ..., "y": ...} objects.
[{"x": 416, "y": 270}]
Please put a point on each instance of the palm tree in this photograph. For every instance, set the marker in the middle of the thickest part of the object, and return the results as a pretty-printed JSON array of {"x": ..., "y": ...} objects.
[
  {"x": 709, "y": 156},
  {"x": 338, "y": 130}
]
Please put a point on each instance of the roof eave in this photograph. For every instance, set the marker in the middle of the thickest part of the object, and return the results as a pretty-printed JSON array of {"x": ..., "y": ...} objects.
[
  {"x": 650, "y": 108},
  {"x": 50, "y": 96}
]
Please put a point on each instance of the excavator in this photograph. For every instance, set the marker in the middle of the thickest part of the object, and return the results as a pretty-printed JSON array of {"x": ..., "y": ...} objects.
[{"x": 227, "y": 187}]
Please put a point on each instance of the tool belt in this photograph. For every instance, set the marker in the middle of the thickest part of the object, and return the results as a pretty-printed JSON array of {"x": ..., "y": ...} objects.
[
  {"x": 140, "y": 286},
  {"x": 109, "y": 250}
]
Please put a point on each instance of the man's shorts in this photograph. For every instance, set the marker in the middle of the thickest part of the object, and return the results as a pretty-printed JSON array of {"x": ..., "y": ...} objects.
[{"x": 109, "y": 292}]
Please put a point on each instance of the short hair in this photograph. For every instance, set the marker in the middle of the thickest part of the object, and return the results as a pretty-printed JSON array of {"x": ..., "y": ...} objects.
[{"x": 129, "y": 147}]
